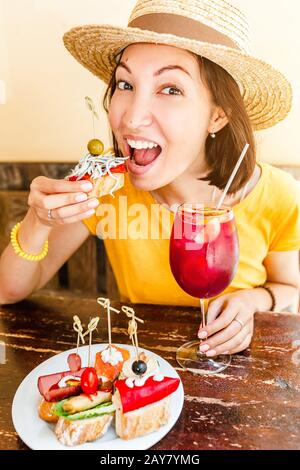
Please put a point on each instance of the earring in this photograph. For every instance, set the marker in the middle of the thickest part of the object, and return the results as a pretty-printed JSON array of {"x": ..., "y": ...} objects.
[{"x": 213, "y": 135}]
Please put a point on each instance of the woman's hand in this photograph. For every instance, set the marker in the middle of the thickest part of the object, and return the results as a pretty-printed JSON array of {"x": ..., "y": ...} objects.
[
  {"x": 58, "y": 202},
  {"x": 230, "y": 322}
]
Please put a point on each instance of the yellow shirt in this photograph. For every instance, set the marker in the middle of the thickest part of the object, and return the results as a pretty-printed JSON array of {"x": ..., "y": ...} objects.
[{"x": 136, "y": 233}]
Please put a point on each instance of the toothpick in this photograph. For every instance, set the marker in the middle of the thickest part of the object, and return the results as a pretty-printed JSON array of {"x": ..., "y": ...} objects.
[
  {"x": 91, "y": 327},
  {"x": 77, "y": 326},
  {"x": 132, "y": 327},
  {"x": 105, "y": 303}
]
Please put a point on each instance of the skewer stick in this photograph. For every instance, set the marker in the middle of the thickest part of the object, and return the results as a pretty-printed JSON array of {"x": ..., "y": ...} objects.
[
  {"x": 132, "y": 327},
  {"x": 105, "y": 303},
  {"x": 77, "y": 326},
  {"x": 91, "y": 327}
]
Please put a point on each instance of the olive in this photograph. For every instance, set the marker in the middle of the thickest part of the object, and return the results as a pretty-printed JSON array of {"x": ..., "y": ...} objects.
[
  {"x": 139, "y": 367},
  {"x": 95, "y": 147}
]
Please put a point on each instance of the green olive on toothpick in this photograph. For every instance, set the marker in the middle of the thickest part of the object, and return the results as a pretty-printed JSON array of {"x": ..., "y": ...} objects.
[{"x": 95, "y": 147}]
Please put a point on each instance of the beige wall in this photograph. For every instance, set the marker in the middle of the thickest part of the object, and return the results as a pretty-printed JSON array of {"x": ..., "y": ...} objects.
[{"x": 45, "y": 117}]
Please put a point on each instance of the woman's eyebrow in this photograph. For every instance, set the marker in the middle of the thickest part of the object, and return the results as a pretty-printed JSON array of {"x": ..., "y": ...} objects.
[{"x": 160, "y": 71}]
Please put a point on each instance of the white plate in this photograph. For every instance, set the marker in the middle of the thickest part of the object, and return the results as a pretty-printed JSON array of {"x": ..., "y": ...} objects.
[{"x": 39, "y": 435}]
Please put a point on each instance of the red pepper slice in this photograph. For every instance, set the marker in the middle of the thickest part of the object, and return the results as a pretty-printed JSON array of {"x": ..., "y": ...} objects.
[
  {"x": 119, "y": 169},
  {"x": 84, "y": 177},
  {"x": 151, "y": 392}
]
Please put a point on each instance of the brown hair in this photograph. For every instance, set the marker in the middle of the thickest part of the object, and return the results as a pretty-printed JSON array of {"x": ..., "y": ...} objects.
[{"x": 223, "y": 152}]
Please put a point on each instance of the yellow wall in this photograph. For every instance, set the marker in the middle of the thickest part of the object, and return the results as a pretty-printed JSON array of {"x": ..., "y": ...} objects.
[{"x": 45, "y": 117}]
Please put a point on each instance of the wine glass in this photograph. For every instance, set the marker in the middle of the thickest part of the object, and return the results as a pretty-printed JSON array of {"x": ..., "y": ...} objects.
[{"x": 204, "y": 255}]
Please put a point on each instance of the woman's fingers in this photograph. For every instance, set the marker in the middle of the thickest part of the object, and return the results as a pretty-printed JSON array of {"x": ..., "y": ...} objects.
[
  {"x": 53, "y": 186},
  {"x": 234, "y": 344},
  {"x": 244, "y": 345},
  {"x": 214, "y": 310},
  {"x": 76, "y": 218},
  {"x": 43, "y": 216},
  {"x": 63, "y": 214},
  {"x": 54, "y": 201},
  {"x": 67, "y": 200},
  {"x": 226, "y": 317},
  {"x": 221, "y": 337},
  {"x": 74, "y": 209}
]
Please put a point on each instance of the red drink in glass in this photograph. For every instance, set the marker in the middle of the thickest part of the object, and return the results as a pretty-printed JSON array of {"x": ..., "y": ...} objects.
[
  {"x": 205, "y": 258},
  {"x": 204, "y": 255}
]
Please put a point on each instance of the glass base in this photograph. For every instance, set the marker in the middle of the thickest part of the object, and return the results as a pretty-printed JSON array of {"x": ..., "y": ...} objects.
[{"x": 190, "y": 358}]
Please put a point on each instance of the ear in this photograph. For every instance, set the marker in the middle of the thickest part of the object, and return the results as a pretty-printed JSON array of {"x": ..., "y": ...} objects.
[{"x": 218, "y": 120}]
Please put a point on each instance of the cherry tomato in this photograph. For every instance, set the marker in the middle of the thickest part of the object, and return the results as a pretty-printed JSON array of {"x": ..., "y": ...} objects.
[{"x": 89, "y": 380}]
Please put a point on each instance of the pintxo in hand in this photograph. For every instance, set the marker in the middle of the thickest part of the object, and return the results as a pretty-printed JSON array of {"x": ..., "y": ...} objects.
[{"x": 105, "y": 171}]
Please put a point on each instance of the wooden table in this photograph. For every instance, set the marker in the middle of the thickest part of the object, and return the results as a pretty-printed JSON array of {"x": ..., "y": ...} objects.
[{"x": 253, "y": 404}]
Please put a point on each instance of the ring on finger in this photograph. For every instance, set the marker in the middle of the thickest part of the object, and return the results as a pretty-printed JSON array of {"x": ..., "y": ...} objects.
[
  {"x": 50, "y": 216},
  {"x": 240, "y": 322}
]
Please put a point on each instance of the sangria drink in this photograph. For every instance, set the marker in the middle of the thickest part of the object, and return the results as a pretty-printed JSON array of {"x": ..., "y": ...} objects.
[{"x": 204, "y": 255}]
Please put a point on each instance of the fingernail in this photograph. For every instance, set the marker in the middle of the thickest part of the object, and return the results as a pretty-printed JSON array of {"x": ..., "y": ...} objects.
[
  {"x": 204, "y": 348},
  {"x": 211, "y": 353},
  {"x": 202, "y": 334},
  {"x": 89, "y": 213},
  {"x": 81, "y": 197},
  {"x": 86, "y": 186},
  {"x": 93, "y": 203}
]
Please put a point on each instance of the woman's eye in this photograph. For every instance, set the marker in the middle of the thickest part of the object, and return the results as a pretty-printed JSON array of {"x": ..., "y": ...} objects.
[
  {"x": 171, "y": 90},
  {"x": 122, "y": 85}
]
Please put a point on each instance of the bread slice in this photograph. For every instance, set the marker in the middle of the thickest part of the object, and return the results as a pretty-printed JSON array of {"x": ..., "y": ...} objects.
[
  {"x": 45, "y": 411},
  {"x": 104, "y": 184},
  {"x": 72, "y": 433},
  {"x": 141, "y": 421}
]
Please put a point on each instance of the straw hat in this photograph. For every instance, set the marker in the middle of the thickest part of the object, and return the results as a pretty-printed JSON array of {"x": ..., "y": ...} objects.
[{"x": 210, "y": 28}]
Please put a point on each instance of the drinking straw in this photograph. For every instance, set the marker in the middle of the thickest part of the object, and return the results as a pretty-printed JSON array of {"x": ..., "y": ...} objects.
[{"x": 238, "y": 164}]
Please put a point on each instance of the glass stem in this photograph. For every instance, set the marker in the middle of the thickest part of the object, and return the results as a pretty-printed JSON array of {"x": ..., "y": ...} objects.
[{"x": 203, "y": 316}]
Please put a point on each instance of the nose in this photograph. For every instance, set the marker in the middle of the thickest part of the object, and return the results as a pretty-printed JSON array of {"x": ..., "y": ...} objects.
[{"x": 138, "y": 114}]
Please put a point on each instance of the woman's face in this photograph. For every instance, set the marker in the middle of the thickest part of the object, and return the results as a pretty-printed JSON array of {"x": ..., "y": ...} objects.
[{"x": 160, "y": 114}]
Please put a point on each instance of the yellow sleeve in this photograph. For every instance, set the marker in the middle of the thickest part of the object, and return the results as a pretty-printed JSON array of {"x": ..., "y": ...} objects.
[{"x": 287, "y": 230}]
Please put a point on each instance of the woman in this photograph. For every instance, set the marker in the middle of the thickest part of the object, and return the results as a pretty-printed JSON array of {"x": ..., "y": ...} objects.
[{"x": 175, "y": 107}]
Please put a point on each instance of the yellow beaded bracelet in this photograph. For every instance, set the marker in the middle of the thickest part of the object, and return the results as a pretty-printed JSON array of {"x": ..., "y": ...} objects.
[{"x": 18, "y": 250}]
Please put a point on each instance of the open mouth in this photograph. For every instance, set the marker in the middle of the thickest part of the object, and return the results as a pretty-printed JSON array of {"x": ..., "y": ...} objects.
[
  {"x": 144, "y": 157},
  {"x": 142, "y": 153}
]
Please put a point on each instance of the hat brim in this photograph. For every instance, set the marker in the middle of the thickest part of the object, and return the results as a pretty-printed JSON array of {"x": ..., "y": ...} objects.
[{"x": 267, "y": 94}]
